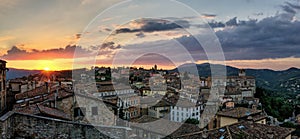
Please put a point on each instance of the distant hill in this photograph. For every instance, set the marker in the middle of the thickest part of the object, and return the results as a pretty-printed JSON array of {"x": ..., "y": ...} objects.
[
  {"x": 285, "y": 80},
  {"x": 17, "y": 73}
]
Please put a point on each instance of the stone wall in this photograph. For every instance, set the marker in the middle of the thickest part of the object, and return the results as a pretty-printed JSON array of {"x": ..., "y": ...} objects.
[{"x": 18, "y": 125}]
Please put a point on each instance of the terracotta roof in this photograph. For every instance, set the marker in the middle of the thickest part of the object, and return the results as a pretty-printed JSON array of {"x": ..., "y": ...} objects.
[
  {"x": 106, "y": 88},
  {"x": 52, "y": 112},
  {"x": 31, "y": 109},
  {"x": 185, "y": 103},
  {"x": 238, "y": 112},
  {"x": 160, "y": 126},
  {"x": 38, "y": 109},
  {"x": 36, "y": 97},
  {"x": 246, "y": 130},
  {"x": 33, "y": 93}
]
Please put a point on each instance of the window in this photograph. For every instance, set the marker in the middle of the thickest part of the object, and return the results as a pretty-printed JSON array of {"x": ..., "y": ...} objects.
[
  {"x": 79, "y": 111},
  {"x": 94, "y": 110}
]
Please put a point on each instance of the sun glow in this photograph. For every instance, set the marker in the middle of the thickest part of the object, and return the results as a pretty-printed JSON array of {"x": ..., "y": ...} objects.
[{"x": 46, "y": 68}]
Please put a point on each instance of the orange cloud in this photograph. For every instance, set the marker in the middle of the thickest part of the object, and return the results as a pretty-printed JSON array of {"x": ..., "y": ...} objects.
[{"x": 16, "y": 53}]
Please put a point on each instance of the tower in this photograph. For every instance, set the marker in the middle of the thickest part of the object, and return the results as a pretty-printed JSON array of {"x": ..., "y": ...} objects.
[
  {"x": 155, "y": 67},
  {"x": 242, "y": 72}
]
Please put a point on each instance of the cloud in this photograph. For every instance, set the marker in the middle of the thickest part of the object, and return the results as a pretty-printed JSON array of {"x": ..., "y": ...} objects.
[
  {"x": 288, "y": 9},
  {"x": 109, "y": 46},
  {"x": 151, "y": 25},
  {"x": 5, "y": 38},
  {"x": 232, "y": 22},
  {"x": 208, "y": 16},
  {"x": 294, "y": 6},
  {"x": 77, "y": 36},
  {"x": 258, "y": 14},
  {"x": 16, "y": 53},
  {"x": 140, "y": 35},
  {"x": 215, "y": 24},
  {"x": 269, "y": 38}
]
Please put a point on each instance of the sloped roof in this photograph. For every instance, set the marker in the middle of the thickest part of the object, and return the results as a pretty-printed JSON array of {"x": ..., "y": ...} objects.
[
  {"x": 244, "y": 129},
  {"x": 238, "y": 112}
]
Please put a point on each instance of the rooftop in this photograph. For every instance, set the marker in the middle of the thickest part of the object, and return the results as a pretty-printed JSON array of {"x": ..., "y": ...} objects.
[
  {"x": 3, "y": 61},
  {"x": 159, "y": 126},
  {"x": 38, "y": 109},
  {"x": 239, "y": 112},
  {"x": 184, "y": 103},
  {"x": 245, "y": 130}
]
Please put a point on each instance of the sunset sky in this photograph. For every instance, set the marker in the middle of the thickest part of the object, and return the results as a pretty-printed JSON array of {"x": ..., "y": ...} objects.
[{"x": 39, "y": 34}]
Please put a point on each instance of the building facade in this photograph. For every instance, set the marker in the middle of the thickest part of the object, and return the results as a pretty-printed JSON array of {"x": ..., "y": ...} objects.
[
  {"x": 3, "y": 92},
  {"x": 183, "y": 110}
]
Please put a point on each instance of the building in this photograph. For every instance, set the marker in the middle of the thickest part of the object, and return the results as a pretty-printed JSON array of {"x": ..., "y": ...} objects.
[
  {"x": 184, "y": 109},
  {"x": 298, "y": 118},
  {"x": 236, "y": 87},
  {"x": 234, "y": 115},
  {"x": 147, "y": 91},
  {"x": 129, "y": 105},
  {"x": 160, "y": 110},
  {"x": 3, "y": 93},
  {"x": 62, "y": 103},
  {"x": 21, "y": 86},
  {"x": 241, "y": 86}
]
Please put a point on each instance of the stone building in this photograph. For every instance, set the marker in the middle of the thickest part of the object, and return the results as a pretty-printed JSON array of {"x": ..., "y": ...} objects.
[
  {"x": 236, "y": 87},
  {"x": 241, "y": 86},
  {"x": 23, "y": 125},
  {"x": 3, "y": 93},
  {"x": 80, "y": 108}
]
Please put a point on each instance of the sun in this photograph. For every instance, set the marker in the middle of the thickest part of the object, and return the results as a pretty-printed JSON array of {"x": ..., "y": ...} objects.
[{"x": 46, "y": 68}]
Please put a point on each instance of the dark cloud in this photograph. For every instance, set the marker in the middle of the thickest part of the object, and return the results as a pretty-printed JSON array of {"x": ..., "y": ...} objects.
[
  {"x": 204, "y": 15},
  {"x": 215, "y": 24},
  {"x": 272, "y": 37},
  {"x": 232, "y": 22},
  {"x": 151, "y": 25},
  {"x": 107, "y": 29},
  {"x": 77, "y": 36},
  {"x": 16, "y": 53},
  {"x": 15, "y": 50},
  {"x": 109, "y": 45},
  {"x": 127, "y": 30},
  {"x": 294, "y": 6},
  {"x": 140, "y": 35},
  {"x": 288, "y": 9},
  {"x": 258, "y": 14}
]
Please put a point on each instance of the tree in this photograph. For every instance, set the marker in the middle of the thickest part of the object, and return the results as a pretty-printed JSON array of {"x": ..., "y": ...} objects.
[{"x": 192, "y": 121}]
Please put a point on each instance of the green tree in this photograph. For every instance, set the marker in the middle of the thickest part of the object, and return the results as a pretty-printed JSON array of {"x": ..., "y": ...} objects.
[{"x": 192, "y": 121}]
